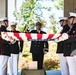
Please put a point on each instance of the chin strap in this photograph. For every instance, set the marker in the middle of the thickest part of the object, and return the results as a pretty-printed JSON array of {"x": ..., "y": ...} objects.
[
  {"x": 72, "y": 21},
  {"x": 62, "y": 23}
]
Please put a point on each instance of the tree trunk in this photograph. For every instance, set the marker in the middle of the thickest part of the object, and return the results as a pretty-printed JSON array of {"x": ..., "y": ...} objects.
[{"x": 18, "y": 15}]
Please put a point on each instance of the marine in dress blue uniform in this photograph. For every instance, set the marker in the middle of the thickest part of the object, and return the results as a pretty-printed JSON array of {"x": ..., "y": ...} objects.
[
  {"x": 4, "y": 48},
  {"x": 60, "y": 47},
  {"x": 70, "y": 45},
  {"x": 15, "y": 48}
]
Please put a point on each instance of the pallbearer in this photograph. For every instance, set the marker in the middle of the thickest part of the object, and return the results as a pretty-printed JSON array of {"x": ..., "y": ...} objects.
[
  {"x": 15, "y": 49},
  {"x": 4, "y": 48},
  {"x": 70, "y": 45},
  {"x": 60, "y": 48}
]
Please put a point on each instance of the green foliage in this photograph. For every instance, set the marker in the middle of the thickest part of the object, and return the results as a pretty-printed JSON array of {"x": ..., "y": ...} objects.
[
  {"x": 59, "y": 4},
  {"x": 27, "y": 9},
  {"x": 25, "y": 54},
  {"x": 51, "y": 59},
  {"x": 51, "y": 64},
  {"x": 21, "y": 28},
  {"x": 30, "y": 11},
  {"x": 54, "y": 29},
  {"x": 53, "y": 24},
  {"x": 14, "y": 15}
]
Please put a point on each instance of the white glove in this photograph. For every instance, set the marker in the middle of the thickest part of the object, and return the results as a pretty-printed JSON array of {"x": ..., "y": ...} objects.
[
  {"x": 56, "y": 40},
  {"x": 4, "y": 36},
  {"x": 8, "y": 38},
  {"x": 19, "y": 53},
  {"x": 12, "y": 41},
  {"x": 45, "y": 51},
  {"x": 62, "y": 38}
]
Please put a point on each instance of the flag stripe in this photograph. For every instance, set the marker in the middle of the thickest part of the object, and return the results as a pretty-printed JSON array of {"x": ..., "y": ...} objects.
[
  {"x": 28, "y": 36},
  {"x": 50, "y": 36},
  {"x": 39, "y": 36},
  {"x": 17, "y": 35}
]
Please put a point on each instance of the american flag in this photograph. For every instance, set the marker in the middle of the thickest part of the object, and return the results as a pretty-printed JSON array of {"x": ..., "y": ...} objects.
[{"x": 33, "y": 36}]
